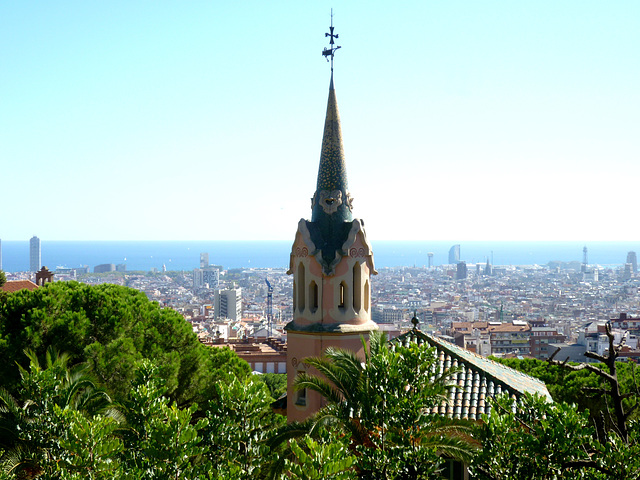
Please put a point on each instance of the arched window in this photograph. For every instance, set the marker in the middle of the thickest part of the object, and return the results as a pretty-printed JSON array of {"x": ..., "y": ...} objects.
[
  {"x": 301, "y": 397},
  {"x": 343, "y": 295},
  {"x": 367, "y": 296},
  {"x": 295, "y": 294},
  {"x": 313, "y": 296},
  {"x": 357, "y": 287},
  {"x": 301, "y": 285}
]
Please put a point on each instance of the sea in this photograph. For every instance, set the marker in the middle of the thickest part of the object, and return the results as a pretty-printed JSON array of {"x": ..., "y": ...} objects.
[{"x": 185, "y": 255}]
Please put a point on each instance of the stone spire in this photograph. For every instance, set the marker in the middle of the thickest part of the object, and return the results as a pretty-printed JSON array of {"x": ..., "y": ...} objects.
[
  {"x": 331, "y": 262},
  {"x": 331, "y": 217},
  {"x": 332, "y": 196}
]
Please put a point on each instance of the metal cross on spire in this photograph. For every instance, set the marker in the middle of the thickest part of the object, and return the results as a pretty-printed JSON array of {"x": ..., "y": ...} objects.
[{"x": 329, "y": 52}]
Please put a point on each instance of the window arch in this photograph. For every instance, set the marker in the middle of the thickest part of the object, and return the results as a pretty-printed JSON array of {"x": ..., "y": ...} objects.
[
  {"x": 357, "y": 287},
  {"x": 301, "y": 284},
  {"x": 300, "y": 396},
  {"x": 343, "y": 294},
  {"x": 295, "y": 294},
  {"x": 313, "y": 296},
  {"x": 367, "y": 296}
]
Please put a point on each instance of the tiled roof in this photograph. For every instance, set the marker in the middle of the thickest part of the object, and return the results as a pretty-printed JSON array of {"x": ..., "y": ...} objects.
[
  {"x": 479, "y": 378},
  {"x": 15, "y": 285},
  {"x": 508, "y": 327}
]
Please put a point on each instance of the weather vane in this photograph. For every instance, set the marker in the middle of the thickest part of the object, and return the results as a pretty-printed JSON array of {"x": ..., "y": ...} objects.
[{"x": 329, "y": 52}]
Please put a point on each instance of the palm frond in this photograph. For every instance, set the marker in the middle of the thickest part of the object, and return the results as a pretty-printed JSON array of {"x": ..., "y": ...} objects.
[
  {"x": 18, "y": 459},
  {"x": 319, "y": 385},
  {"x": 290, "y": 431}
]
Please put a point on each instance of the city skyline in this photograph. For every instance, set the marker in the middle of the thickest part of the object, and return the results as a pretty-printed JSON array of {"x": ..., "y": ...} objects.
[{"x": 185, "y": 121}]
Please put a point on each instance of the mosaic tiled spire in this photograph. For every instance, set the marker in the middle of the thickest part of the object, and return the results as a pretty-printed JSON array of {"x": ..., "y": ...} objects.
[
  {"x": 331, "y": 218},
  {"x": 332, "y": 200}
]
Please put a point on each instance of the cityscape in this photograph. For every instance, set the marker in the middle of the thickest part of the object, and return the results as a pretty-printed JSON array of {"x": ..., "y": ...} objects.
[
  {"x": 502, "y": 311},
  {"x": 490, "y": 129}
]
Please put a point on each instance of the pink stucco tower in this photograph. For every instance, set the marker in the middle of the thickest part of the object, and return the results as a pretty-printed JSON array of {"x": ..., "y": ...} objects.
[{"x": 331, "y": 263}]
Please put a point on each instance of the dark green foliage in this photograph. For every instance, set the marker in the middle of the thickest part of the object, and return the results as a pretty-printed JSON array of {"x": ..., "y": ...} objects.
[
  {"x": 33, "y": 424},
  {"x": 321, "y": 461},
  {"x": 275, "y": 382},
  {"x": 53, "y": 430},
  {"x": 113, "y": 329},
  {"x": 538, "y": 440},
  {"x": 383, "y": 406},
  {"x": 569, "y": 386},
  {"x": 3, "y": 278},
  {"x": 160, "y": 439},
  {"x": 535, "y": 440},
  {"x": 238, "y": 423},
  {"x": 564, "y": 385}
]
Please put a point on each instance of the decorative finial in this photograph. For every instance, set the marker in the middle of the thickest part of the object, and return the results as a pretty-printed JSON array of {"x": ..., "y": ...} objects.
[
  {"x": 415, "y": 320},
  {"x": 329, "y": 52}
]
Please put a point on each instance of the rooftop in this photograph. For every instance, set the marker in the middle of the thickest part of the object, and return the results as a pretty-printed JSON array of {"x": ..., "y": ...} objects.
[
  {"x": 478, "y": 378},
  {"x": 15, "y": 285}
]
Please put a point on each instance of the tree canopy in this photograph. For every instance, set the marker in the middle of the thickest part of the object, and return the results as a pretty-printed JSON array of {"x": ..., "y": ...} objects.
[
  {"x": 382, "y": 409},
  {"x": 134, "y": 395},
  {"x": 113, "y": 329}
]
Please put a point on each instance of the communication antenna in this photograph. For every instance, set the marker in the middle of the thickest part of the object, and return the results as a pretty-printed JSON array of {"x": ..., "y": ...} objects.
[
  {"x": 329, "y": 52},
  {"x": 269, "y": 308}
]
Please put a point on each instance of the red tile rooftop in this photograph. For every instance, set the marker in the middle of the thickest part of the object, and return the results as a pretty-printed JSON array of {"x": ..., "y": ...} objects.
[{"x": 15, "y": 285}]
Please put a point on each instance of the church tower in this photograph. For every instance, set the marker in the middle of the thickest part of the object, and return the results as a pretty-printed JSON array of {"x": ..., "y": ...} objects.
[{"x": 331, "y": 263}]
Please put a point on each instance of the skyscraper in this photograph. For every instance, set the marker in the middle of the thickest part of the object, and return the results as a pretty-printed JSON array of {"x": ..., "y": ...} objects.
[
  {"x": 35, "y": 260},
  {"x": 454, "y": 255},
  {"x": 331, "y": 262},
  {"x": 204, "y": 260},
  {"x": 461, "y": 271},
  {"x": 209, "y": 276},
  {"x": 228, "y": 304},
  {"x": 631, "y": 258}
]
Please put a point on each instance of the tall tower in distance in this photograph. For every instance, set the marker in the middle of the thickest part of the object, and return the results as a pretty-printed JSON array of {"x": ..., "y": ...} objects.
[
  {"x": 204, "y": 260},
  {"x": 631, "y": 258},
  {"x": 35, "y": 259},
  {"x": 585, "y": 259},
  {"x": 331, "y": 263},
  {"x": 430, "y": 259},
  {"x": 454, "y": 255}
]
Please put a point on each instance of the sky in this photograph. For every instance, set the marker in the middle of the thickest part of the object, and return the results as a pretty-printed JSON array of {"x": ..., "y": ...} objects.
[{"x": 202, "y": 120}]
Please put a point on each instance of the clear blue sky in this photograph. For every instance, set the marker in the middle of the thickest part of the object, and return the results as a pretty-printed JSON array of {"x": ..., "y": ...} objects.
[{"x": 202, "y": 120}]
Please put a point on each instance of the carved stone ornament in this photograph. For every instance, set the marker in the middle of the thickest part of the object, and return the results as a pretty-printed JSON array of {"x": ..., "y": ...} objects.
[
  {"x": 349, "y": 202},
  {"x": 330, "y": 200}
]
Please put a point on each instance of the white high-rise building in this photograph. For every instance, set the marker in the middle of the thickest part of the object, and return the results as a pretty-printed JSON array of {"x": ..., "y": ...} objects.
[
  {"x": 211, "y": 277},
  {"x": 198, "y": 280},
  {"x": 35, "y": 259},
  {"x": 208, "y": 276},
  {"x": 228, "y": 304}
]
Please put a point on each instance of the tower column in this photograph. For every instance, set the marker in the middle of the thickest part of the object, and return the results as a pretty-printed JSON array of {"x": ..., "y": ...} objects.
[{"x": 331, "y": 262}]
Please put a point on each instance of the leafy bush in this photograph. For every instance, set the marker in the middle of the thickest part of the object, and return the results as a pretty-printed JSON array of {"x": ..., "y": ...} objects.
[{"x": 113, "y": 329}]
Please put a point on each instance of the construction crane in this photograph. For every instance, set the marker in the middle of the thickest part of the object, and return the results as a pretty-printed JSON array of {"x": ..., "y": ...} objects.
[
  {"x": 501, "y": 310},
  {"x": 269, "y": 308}
]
